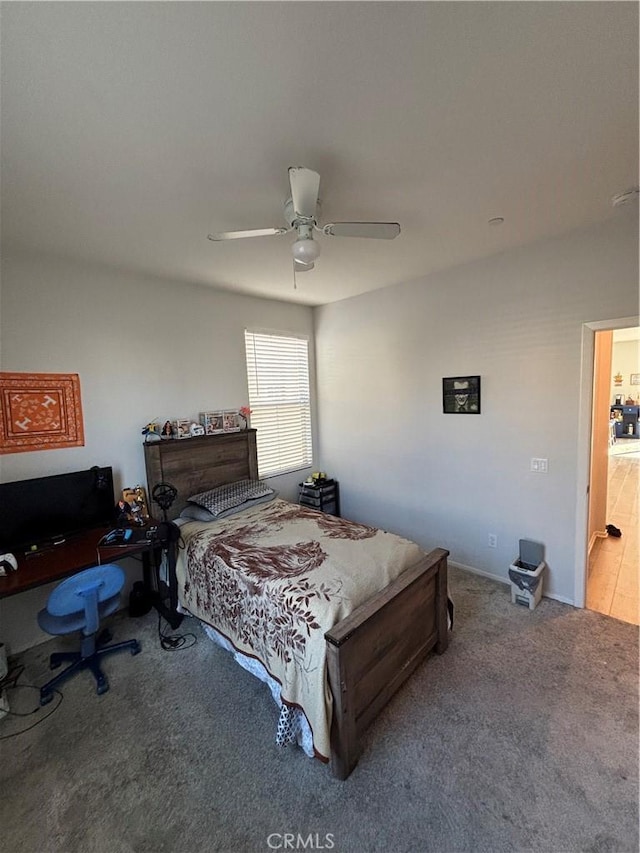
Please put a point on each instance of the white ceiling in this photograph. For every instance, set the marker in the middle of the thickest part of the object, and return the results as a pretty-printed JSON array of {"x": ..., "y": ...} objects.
[{"x": 131, "y": 130}]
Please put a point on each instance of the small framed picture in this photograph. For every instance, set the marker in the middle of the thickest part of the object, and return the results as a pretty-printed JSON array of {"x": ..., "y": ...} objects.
[
  {"x": 461, "y": 395},
  {"x": 182, "y": 428},
  {"x": 231, "y": 421},
  {"x": 212, "y": 422},
  {"x": 635, "y": 379}
]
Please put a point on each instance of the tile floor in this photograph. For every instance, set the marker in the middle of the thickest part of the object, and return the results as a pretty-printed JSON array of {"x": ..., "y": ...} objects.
[{"x": 614, "y": 564}]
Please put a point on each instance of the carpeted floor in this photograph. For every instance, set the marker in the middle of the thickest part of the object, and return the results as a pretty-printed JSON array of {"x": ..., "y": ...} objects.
[{"x": 522, "y": 737}]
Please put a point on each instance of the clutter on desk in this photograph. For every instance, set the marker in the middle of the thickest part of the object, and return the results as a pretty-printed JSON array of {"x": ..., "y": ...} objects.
[{"x": 132, "y": 507}]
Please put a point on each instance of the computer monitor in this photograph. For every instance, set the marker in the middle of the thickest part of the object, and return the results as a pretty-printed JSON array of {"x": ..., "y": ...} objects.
[{"x": 50, "y": 509}]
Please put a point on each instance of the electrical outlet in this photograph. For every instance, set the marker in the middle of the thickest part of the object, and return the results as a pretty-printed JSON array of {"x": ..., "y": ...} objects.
[
  {"x": 540, "y": 466},
  {"x": 493, "y": 540}
]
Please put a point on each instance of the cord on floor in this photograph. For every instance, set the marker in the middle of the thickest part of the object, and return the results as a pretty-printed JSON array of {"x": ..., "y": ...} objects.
[
  {"x": 16, "y": 686},
  {"x": 176, "y": 642}
]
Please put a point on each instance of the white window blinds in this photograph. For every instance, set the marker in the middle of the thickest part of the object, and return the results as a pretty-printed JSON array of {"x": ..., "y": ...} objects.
[{"x": 278, "y": 378}]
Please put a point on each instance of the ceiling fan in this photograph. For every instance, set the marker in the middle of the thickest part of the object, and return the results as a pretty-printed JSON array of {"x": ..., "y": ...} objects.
[{"x": 300, "y": 212}]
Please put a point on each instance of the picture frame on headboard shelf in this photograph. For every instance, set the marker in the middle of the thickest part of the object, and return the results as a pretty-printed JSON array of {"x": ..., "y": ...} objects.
[
  {"x": 213, "y": 422},
  {"x": 182, "y": 428},
  {"x": 231, "y": 421}
]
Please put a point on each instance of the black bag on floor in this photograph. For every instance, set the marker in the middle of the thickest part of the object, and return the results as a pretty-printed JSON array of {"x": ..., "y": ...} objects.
[{"x": 139, "y": 600}]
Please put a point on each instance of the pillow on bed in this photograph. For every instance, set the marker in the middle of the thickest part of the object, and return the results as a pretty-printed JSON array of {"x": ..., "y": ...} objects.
[
  {"x": 193, "y": 512},
  {"x": 233, "y": 496}
]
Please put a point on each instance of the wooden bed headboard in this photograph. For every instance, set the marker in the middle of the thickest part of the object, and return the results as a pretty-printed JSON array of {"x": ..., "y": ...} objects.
[{"x": 193, "y": 465}]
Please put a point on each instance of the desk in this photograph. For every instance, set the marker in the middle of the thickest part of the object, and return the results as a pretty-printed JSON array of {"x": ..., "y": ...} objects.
[{"x": 81, "y": 551}]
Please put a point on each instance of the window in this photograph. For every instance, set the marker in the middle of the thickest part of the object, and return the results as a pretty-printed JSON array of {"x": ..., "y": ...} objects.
[{"x": 278, "y": 377}]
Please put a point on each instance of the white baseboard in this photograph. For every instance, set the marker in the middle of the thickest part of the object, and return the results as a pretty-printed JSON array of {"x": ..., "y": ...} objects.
[
  {"x": 474, "y": 571},
  {"x": 598, "y": 534}
]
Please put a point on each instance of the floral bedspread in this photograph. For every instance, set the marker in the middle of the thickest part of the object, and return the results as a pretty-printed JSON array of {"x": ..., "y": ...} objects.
[{"x": 273, "y": 579}]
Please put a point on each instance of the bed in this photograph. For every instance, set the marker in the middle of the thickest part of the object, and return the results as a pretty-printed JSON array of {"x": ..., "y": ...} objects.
[{"x": 350, "y": 654}]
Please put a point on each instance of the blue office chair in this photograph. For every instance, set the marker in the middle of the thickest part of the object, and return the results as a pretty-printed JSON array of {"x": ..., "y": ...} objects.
[{"x": 78, "y": 604}]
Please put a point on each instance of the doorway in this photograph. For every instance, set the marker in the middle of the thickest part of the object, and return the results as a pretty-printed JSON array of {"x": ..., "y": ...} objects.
[{"x": 614, "y": 538}]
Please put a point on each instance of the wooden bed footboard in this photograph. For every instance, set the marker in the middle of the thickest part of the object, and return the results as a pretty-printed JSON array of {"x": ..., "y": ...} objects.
[{"x": 372, "y": 652}]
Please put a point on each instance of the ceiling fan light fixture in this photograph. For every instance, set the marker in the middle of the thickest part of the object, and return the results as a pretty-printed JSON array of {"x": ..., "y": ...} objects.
[
  {"x": 305, "y": 250},
  {"x": 301, "y": 211}
]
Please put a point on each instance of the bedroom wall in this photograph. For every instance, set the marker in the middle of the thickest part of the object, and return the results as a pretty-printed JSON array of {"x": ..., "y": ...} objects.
[
  {"x": 144, "y": 348},
  {"x": 450, "y": 480}
]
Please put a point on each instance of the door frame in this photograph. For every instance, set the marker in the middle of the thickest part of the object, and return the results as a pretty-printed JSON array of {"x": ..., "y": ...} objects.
[{"x": 585, "y": 420}]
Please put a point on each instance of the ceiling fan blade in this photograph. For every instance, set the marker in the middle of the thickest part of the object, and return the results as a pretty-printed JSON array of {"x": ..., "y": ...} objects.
[
  {"x": 237, "y": 235},
  {"x": 305, "y": 185},
  {"x": 375, "y": 230},
  {"x": 300, "y": 267}
]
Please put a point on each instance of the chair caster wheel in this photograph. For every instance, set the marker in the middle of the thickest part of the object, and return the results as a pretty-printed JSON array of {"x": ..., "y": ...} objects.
[
  {"x": 55, "y": 664},
  {"x": 102, "y": 687},
  {"x": 44, "y": 700},
  {"x": 136, "y": 649}
]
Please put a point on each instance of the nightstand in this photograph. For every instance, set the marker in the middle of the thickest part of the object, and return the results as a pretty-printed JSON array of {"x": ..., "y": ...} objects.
[{"x": 323, "y": 495}]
